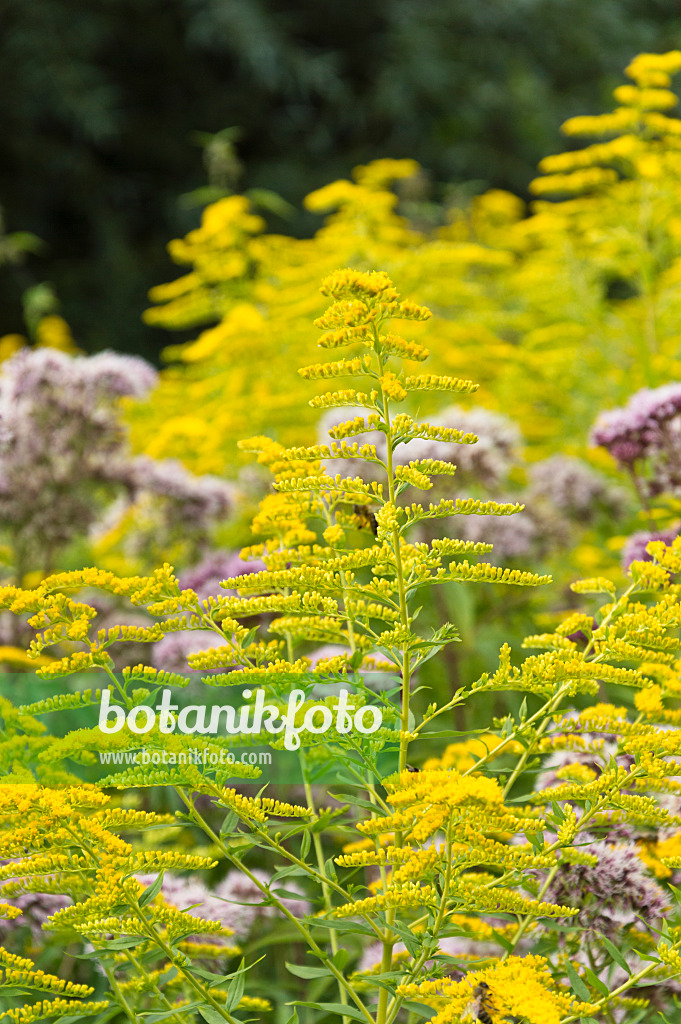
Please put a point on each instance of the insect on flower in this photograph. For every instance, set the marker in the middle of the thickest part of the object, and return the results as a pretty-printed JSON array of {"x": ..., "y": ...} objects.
[
  {"x": 365, "y": 517},
  {"x": 480, "y": 1007}
]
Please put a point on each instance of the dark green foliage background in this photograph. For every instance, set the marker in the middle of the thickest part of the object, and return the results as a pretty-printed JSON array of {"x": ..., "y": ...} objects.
[{"x": 98, "y": 102}]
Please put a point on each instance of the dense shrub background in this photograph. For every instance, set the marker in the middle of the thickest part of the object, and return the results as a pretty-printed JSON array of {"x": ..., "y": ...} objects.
[{"x": 98, "y": 104}]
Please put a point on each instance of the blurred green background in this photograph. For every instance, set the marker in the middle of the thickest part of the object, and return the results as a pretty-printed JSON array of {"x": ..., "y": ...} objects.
[{"x": 107, "y": 109}]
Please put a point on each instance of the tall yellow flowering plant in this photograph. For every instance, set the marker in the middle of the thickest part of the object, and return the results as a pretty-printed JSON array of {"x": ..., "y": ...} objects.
[
  {"x": 581, "y": 295},
  {"x": 518, "y": 875}
]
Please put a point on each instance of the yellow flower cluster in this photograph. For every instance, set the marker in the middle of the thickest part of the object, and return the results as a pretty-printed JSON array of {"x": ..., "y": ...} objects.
[{"x": 520, "y": 986}]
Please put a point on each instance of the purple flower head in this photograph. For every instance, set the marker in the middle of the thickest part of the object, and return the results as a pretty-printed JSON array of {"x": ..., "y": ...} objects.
[
  {"x": 635, "y": 548},
  {"x": 512, "y": 536},
  {"x": 194, "y": 498},
  {"x": 594, "y": 758},
  {"x": 579, "y": 636},
  {"x": 62, "y": 440},
  {"x": 193, "y": 897},
  {"x": 206, "y": 577},
  {"x": 238, "y": 889},
  {"x": 572, "y": 486},
  {"x": 611, "y": 895},
  {"x": 171, "y": 652},
  {"x": 640, "y": 428},
  {"x": 486, "y": 463},
  {"x": 107, "y": 375},
  {"x": 490, "y": 459},
  {"x": 121, "y": 375},
  {"x": 36, "y": 908}
]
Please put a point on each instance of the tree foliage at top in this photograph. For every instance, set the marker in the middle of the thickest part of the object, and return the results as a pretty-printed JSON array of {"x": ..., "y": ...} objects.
[{"x": 98, "y": 106}]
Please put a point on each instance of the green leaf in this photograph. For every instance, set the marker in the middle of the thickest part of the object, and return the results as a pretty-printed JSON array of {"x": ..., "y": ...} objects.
[
  {"x": 356, "y": 801},
  {"x": 418, "y": 1009},
  {"x": 271, "y": 201},
  {"x": 105, "y": 1016},
  {"x": 305, "y": 844},
  {"x": 344, "y": 926},
  {"x": 236, "y": 989},
  {"x": 615, "y": 954},
  {"x": 123, "y": 943},
  {"x": 577, "y": 984},
  {"x": 594, "y": 980},
  {"x": 151, "y": 892},
  {"x": 229, "y": 823},
  {"x": 287, "y": 872},
  {"x": 215, "y": 979},
  {"x": 340, "y": 959},
  {"x": 151, "y": 1018},
  {"x": 289, "y": 894},
  {"x": 303, "y": 971},
  {"x": 340, "y": 1008},
  {"x": 558, "y": 812},
  {"x": 211, "y": 1015},
  {"x": 73, "y": 1017}
]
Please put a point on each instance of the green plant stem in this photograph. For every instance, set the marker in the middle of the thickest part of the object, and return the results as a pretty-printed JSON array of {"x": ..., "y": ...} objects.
[
  {"x": 389, "y": 940},
  {"x": 125, "y": 1006},
  {"x": 202, "y": 992},
  {"x": 278, "y": 848},
  {"x": 301, "y": 927},
  {"x": 544, "y": 710},
  {"x": 633, "y": 980},
  {"x": 130, "y": 957},
  {"x": 396, "y": 1004},
  {"x": 319, "y": 853}
]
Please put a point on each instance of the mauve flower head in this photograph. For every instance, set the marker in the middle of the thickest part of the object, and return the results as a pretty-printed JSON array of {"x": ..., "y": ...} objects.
[
  {"x": 193, "y": 897},
  {"x": 194, "y": 497},
  {"x": 171, "y": 652},
  {"x": 573, "y": 487},
  {"x": 238, "y": 889},
  {"x": 121, "y": 375},
  {"x": 635, "y": 548},
  {"x": 62, "y": 440},
  {"x": 486, "y": 462},
  {"x": 614, "y": 893},
  {"x": 602, "y": 750},
  {"x": 490, "y": 459},
  {"x": 107, "y": 375},
  {"x": 638, "y": 429},
  {"x": 206, "y": 577},
  {"x": 36, "y": 908},
  {"x": 172, "y": 506},
  {"x": 512, "y": 536}
]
